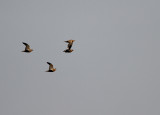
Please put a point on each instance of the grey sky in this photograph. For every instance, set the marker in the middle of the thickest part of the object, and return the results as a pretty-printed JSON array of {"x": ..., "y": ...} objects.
[{"x": 114, "y": 69}]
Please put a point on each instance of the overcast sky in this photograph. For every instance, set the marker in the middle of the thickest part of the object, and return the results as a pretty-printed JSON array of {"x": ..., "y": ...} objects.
[{"x": 113, "y": 70}]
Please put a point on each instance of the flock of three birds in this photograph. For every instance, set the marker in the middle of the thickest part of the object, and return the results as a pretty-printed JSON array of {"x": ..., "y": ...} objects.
[{"x": 51, "y": 68}]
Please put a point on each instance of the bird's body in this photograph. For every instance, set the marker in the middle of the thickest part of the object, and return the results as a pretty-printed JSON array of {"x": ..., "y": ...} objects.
[
  {"x": 27, "y": 48},
  {"x": 51, "y": 68}
]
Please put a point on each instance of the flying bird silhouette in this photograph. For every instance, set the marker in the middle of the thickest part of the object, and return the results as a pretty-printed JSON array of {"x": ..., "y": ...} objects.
[
  {"x": 27, "y": 48},
  {"x": 51, "y": 68},
  {"x": 70, "y": 43}
]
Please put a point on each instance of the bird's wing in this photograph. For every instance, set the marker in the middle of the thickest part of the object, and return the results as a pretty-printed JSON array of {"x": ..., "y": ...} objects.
[
  {"x": 50, "y": 66},
  {"x": 27, "y": 46},
  {"x": 67, "y": 41}
]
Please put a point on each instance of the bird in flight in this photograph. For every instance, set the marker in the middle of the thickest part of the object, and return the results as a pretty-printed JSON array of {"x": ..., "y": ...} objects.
[
  {"x": 70, "y": 43},
  {"x": 27, "y": 48},
  {"x": 51, "y": 68}
]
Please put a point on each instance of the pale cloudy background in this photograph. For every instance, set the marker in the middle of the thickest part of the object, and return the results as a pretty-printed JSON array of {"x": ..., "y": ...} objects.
[{"x": 114, "y": 69}]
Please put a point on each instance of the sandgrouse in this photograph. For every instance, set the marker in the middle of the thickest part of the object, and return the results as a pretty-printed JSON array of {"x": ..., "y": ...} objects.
[
  {"x": 27, "y": 48},
  {"x": 70, "y": 43},
  {"x": 51, "y": 68}
]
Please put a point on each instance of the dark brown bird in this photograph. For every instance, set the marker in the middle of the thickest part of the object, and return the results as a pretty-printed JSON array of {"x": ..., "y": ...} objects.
[
  {"x": 51, "y": 68},
  {"x": 70, "y": 43},
  {"x": 68, "y": 50},
  {"x": 27, "y": 48}
]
